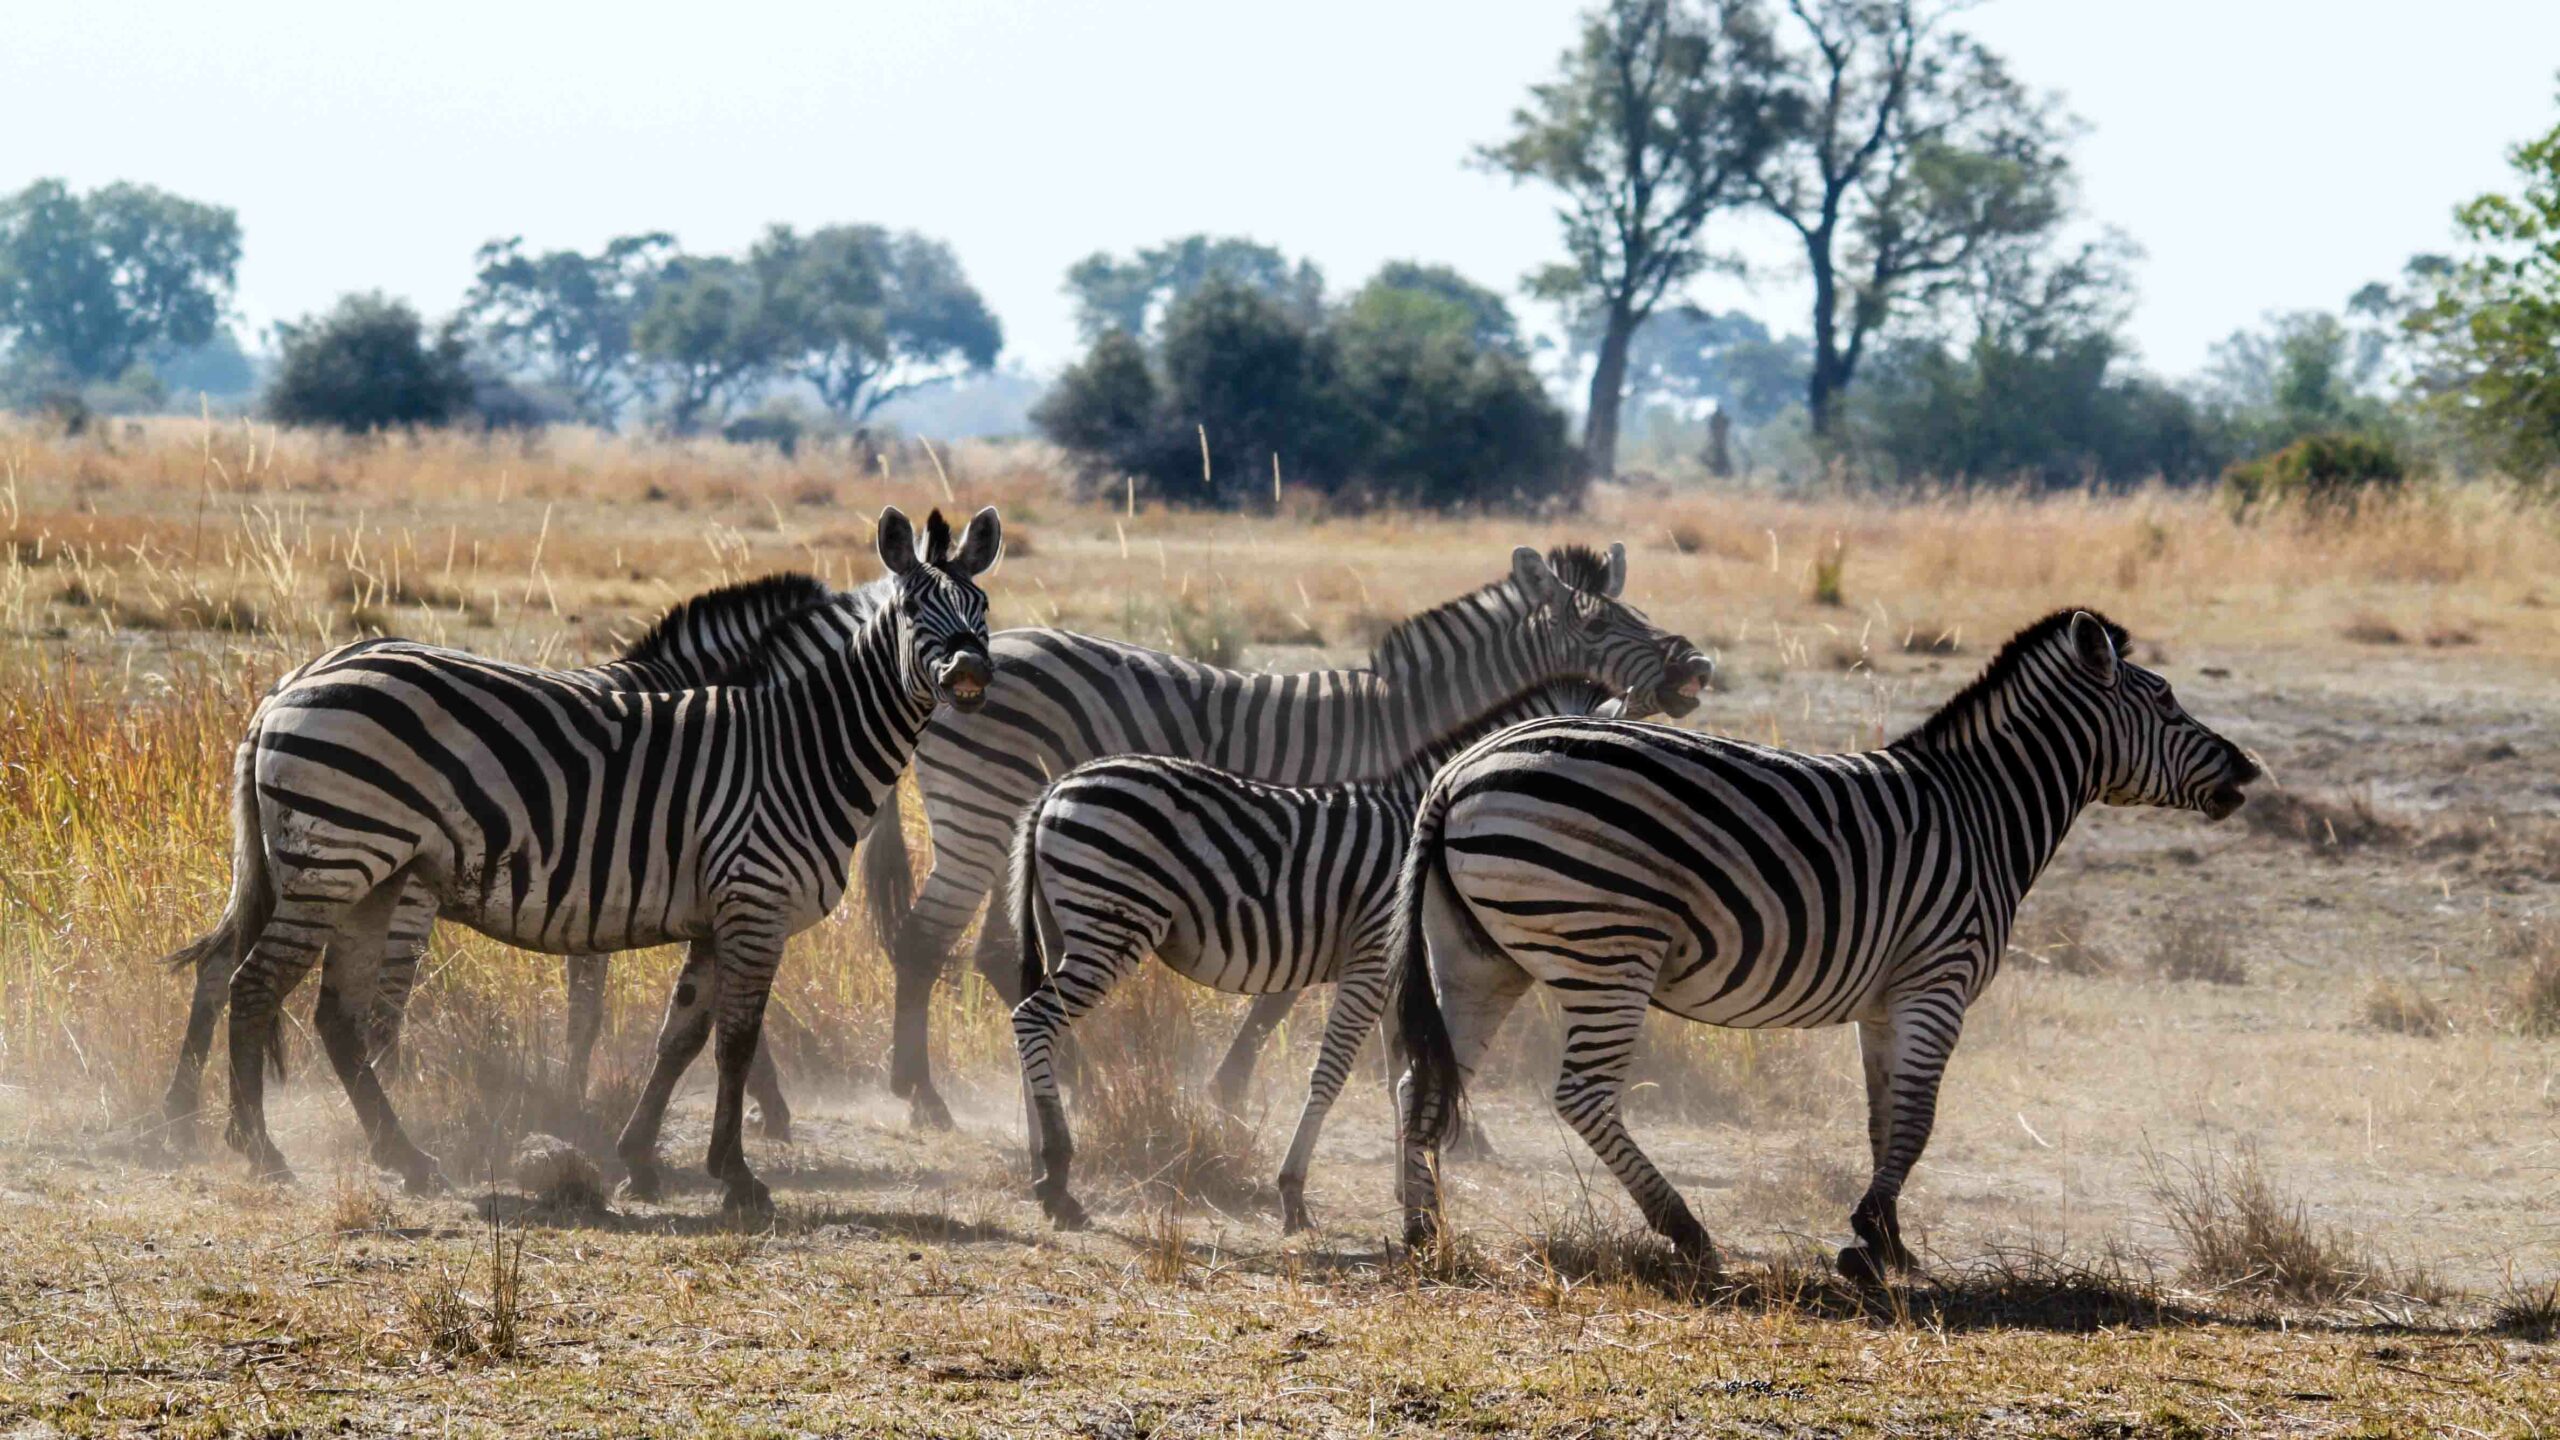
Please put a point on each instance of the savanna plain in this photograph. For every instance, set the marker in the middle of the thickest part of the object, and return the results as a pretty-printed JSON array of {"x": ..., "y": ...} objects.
[{"x": 2257, "y": 1132}]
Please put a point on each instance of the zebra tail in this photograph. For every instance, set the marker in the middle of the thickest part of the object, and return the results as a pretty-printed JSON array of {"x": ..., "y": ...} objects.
[
  {"x": 888, "y": 879},
  {"x": 1023, "y": 897},
  {"x": 252, "y": 901},
  {"x": 1438, "y": 1087}
]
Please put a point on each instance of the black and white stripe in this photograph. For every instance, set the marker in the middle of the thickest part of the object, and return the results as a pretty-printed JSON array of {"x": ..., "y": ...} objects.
[
  {"x": 558, "y": 817},
  {"x": 697, "y": 642},
  {"x": 1635, "y": 866},
  {"x": 1062, "y": 699},
  {"x": 1242, "y": 885}
]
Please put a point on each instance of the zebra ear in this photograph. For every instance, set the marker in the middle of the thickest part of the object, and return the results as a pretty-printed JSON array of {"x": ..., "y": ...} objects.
[
  {"x": 1537, "y": 579},
  {"x": 2095, "y": 650},
  {"x": 980, "y": 545},
  {"x": 1617, "y": 569},
  {"x": 897, "y": 541}
]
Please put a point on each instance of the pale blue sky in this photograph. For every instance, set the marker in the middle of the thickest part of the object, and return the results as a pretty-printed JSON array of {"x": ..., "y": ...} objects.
[{"x": 2265, "y": 155}]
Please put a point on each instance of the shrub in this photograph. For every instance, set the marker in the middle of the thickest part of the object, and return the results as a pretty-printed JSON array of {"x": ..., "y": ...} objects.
[
  {"x": 2194, "y": 947},
  {"x": 1396, "y": 396},
  {"x": 369, "y": 365},
  {"x": 2242, "y": 1233},
  {"x": 2398, "y": 1008},
  {"x": 2318, "y": 473}
]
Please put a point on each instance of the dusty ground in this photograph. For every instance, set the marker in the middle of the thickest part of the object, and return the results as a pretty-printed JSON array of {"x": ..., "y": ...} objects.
[{"x": 909, "y": 1286}]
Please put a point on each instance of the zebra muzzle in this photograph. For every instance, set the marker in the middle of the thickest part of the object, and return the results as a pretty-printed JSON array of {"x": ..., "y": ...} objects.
[{"x": 964, "y": 679}]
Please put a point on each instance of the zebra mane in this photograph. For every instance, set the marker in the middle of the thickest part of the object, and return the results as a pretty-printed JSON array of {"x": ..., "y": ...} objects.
[
  {"x": 777, "y": 659},
  {"x": 2004, "y": 667},
  {"x": 1579, "y": 566},
  {"x": 768, "y": 597},
  {"x": 1536, "y": 702}
]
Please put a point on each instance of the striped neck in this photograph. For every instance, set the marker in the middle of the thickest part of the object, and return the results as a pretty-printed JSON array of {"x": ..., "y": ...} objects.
[
  {"x": 2018, "y": 765},
  {"x": 841, "y": 705},
  {"x": 1448, "y": 666}
]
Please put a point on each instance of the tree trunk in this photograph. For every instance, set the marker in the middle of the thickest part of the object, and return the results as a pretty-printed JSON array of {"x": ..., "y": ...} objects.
[
  {"x": 1823, "y": 383},
  {"x": 1608, "y": 393}
]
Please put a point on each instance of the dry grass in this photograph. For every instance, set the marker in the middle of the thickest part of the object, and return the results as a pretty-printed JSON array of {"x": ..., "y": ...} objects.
[
  {"x": 2534, "y": 998},
  {"x": 2196, "y": 948},
  {"x": 1145, "y": 1117},
  {"x": 2397, "y": 1007},
  {"x": 2242, "y": 1233},
  {"x": 2324, "y": 823},
  {"x": 2061, "y": 936}
]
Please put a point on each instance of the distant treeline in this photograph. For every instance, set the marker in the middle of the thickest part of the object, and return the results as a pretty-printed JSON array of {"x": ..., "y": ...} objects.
[{"x": 1962, "y": 320}]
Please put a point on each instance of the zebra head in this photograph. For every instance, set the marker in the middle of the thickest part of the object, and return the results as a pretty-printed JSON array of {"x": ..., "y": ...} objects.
[
  {"x": 941, "y": 610},
  {"x": 2150, "y": 750},
  {"x": 1587, "y": 629}
]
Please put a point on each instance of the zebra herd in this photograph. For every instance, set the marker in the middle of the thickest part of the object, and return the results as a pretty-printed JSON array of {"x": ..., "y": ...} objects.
[{"x": 1481, "y": 808}]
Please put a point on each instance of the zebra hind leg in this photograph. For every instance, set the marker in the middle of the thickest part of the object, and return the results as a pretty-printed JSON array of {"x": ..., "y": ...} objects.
[
  {"x": 291, "y": 942},
  {"x": 182, "y": 1105},
  {"x": 413, "y": 923},
  {"x": 764, "y": 1082},
  {"x": 1600, "y": 1031},
  {"x": 1474, "y": 987},
  {"x": 348, "y": 977},
  {"x": 916, "y": 957},
  {"x": 1077, "y": 981},
  {"x": 583, "y": 976}
]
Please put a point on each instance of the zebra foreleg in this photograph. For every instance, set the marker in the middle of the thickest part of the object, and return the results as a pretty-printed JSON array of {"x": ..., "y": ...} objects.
[
  {"x": 1358, "y": 997},
  {"x": 1920, "y": 1035},
  {"x": 1235, "y": 1071},
  {"x": 1600, "y": 1033},
  {"x": 748, "y": 956},
  {"x": 680, "y": 1038},
  {"x": 583, "y": 976}
]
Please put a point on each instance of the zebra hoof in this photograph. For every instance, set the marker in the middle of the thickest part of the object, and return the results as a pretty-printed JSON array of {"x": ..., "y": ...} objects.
[
  {"x": 775, "y": 1125},
  {"x": 748, "y": 1199},
  {"x": 1067, "y": 1213},
  {"x": 640, "y": 1186},
  {"x": 422, "y": 1177},
  {"x": 925, "y": 1111},
  {"x": 1858, "y": 1265},
  {"x": 1295, "y": 1218}
]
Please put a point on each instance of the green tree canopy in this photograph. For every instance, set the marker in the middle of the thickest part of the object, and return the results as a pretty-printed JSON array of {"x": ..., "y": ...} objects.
[
  {"x": 1658, "y": 118},
  {"x": 710, "y": 337},
  {"x": 1910, "y": 151},
  {"x": 1132, "y": 293},
  {"x": 91, "y": 284},
  {"x": 1396, "y": 395},
  {"x": 570, "y": 318},
  {"x": 368, "y": 365},
  {"x": 866, "y": 316},
  {"x": 2487, "y": 326}
]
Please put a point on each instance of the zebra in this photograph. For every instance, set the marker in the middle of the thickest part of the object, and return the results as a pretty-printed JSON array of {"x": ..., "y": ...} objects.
[
  {"x": 1061, "y": 699},
  {"x": 1242, "y": 885},
  {"x": 697, "y": 641},
  {"x": 558, "y": 817},
  {"x": 1627, "y": 866}
]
